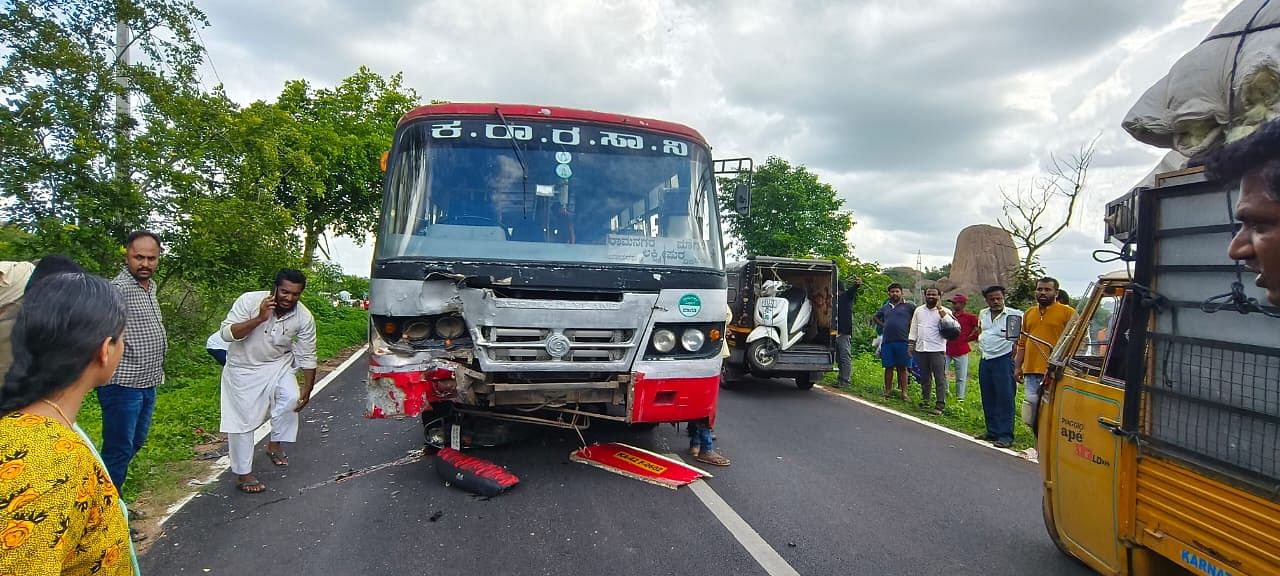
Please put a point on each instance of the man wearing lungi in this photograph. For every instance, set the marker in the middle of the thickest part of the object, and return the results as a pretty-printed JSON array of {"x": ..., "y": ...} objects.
[{"x": 271, "y": 335}]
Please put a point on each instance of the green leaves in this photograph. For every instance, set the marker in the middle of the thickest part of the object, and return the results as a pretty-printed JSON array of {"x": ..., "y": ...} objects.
[
  {"x": 68, "y": 165},
  {"x": 331, "y": 141},
  {"x": 793, "y": 214}
]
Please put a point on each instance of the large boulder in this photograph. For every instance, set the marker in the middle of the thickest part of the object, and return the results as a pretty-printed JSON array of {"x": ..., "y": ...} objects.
[{"x": 985, "y": 255}]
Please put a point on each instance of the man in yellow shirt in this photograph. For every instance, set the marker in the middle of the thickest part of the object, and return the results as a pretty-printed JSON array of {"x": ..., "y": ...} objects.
[{"x": 1045, "y": 323}]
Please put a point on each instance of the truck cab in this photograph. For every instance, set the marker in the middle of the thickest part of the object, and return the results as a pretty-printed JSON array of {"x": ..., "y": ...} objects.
[{"x": 1158, "y": 427}]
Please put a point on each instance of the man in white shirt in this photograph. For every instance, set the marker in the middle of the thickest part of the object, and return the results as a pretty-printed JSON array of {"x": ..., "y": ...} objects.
[
  {"x": 927, "y": 345},
  {"x": 271, "y": 335},
  {"x": 995, "y": 370}
]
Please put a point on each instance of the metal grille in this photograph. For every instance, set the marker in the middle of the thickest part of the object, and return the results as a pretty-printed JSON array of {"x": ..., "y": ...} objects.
[
  {"x": 1218, "y": 400},
  {"x": 505, "y": 344}
]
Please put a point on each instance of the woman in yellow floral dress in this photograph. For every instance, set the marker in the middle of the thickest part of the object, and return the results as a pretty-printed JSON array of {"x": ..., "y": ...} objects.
[{"x": 59, "y": 512}]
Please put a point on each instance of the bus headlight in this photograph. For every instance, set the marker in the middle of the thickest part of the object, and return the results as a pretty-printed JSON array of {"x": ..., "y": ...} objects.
[
  {"x": 450, "y": 327},
  {"x": 664, "y": 341},
  {"x": 417, "y": 330},
  {"x": 692, "y": 339}
]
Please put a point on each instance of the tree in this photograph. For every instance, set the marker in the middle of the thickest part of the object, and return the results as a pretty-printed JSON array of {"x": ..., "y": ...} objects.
[
  {"x": 938, "y": 273},
  {"x": 330, "y": 144},
  {"x": 1030, "y": 216},
  {"x": 907, "y": 277},
  {"x": 793, "y": 214},
  {"x": 68, "y": 169}
]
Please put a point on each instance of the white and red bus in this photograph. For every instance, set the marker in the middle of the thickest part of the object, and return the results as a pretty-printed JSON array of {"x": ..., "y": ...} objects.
[{"x": 546, "y": 265}]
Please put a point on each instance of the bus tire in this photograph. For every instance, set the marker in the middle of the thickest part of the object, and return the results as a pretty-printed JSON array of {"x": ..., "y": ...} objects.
[{"x": 804, "y": 381}]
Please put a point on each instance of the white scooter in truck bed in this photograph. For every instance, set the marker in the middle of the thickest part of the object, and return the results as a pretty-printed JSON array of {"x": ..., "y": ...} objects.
[{"x": 780, "y": 323}]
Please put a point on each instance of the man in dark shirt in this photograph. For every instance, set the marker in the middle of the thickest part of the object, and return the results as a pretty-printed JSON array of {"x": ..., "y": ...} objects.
[
  {"x": 844, "y": 329},
  {"x": 895, "y": 319}
]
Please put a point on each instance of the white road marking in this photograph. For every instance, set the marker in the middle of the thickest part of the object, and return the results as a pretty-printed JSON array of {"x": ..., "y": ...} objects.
[
  {"x": 224, "y": 463},
  {"x": 764, "y": 554},
  {"x": 924, "y": 422}
]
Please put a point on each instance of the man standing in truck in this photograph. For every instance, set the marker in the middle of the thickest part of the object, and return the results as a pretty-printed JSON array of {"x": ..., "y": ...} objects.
[
  {"x": 1041, "y": 328},
  {"x": 1255, "y": 163}
]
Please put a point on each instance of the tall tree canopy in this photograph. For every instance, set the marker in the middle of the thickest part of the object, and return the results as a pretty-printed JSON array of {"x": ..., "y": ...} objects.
[
  {"x": 67, "y": 165},
  {"x": 333, "y": 140},
  {"x": 793, "y": 214}
]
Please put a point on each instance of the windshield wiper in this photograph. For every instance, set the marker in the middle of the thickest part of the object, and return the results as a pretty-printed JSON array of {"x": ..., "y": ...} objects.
[{"x": 524, "y": 168}]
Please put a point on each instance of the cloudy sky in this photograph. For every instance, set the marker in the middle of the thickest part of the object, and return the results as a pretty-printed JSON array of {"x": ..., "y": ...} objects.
[{"x": 918, "y": 112}]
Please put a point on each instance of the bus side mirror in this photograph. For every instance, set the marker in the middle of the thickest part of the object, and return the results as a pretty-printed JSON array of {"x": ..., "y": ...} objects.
[
  {"x": 1013, "y": 327},
  {"x": 742, "y": 196}
]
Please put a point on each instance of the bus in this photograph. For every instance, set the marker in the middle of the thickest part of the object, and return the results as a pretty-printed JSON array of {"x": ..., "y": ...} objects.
[{"x": 547, "y": 265}]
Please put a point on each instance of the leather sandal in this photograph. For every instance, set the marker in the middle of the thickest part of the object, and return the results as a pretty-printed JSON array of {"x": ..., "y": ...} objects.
[
  {"x": 253, "y": 486},
  {"x": 713, "y": 458}
]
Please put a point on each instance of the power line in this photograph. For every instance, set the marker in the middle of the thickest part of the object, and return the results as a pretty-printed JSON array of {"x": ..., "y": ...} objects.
[{"x": 208, "y": 55}]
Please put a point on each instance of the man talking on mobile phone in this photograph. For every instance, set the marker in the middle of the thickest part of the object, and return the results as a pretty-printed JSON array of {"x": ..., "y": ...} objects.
[{"x": 271, "y": 335}]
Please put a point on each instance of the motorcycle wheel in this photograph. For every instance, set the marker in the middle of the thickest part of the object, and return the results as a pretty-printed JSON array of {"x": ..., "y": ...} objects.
[{"x": 763, "y": 354}]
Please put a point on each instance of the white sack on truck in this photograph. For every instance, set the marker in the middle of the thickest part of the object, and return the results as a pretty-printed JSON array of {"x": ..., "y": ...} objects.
[{"x": 1188, "y": 109}]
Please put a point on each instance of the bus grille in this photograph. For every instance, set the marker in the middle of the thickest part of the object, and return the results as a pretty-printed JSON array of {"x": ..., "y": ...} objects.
[{"x": 507, "y": 344}]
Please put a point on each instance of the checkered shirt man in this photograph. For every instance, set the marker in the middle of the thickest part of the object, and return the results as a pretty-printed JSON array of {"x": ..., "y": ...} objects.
[{"x": 145, "y": 342}]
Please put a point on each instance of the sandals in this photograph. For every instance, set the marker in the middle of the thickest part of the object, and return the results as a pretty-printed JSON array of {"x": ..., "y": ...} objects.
[
  {"x": 253, "y": 486},
  {"x": 278, "y": 458},
  {"x": 694, "y": 451},
  {"x": 713, "y": 458}
]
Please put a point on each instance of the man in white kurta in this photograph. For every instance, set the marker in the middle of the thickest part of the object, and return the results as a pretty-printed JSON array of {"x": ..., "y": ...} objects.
[{"x": 271, "y": 335}]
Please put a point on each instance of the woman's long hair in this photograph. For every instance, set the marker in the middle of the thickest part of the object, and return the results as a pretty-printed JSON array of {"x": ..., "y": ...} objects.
[{"x": 64, "y": 320}]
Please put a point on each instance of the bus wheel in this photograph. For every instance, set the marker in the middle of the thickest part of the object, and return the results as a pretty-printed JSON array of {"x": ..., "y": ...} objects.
[
  {"x": 763, "y": 354},
  {"x": 804, "y": 381}
]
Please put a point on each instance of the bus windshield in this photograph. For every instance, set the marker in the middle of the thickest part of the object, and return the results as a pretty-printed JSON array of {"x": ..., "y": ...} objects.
[{"x": 551, "y": 191}]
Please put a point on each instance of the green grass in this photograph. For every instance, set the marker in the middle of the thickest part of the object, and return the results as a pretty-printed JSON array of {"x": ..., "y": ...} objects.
[
  {"x": 966, "y": 417},
  {"x": 187, "y": 406}
]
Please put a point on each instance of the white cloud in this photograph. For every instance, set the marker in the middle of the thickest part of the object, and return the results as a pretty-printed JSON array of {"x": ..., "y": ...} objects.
[{"x": 916, "y": 111}]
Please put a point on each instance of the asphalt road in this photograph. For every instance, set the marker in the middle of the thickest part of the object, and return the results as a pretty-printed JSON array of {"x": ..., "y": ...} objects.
[{"x": 832, "y": 486}]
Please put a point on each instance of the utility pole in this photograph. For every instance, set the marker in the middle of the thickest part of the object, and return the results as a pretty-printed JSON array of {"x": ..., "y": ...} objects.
[
  {"x": 123, "y": 168},
  {"x": 919, "y": 276},
  {"x": 123, "y": 37}
]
